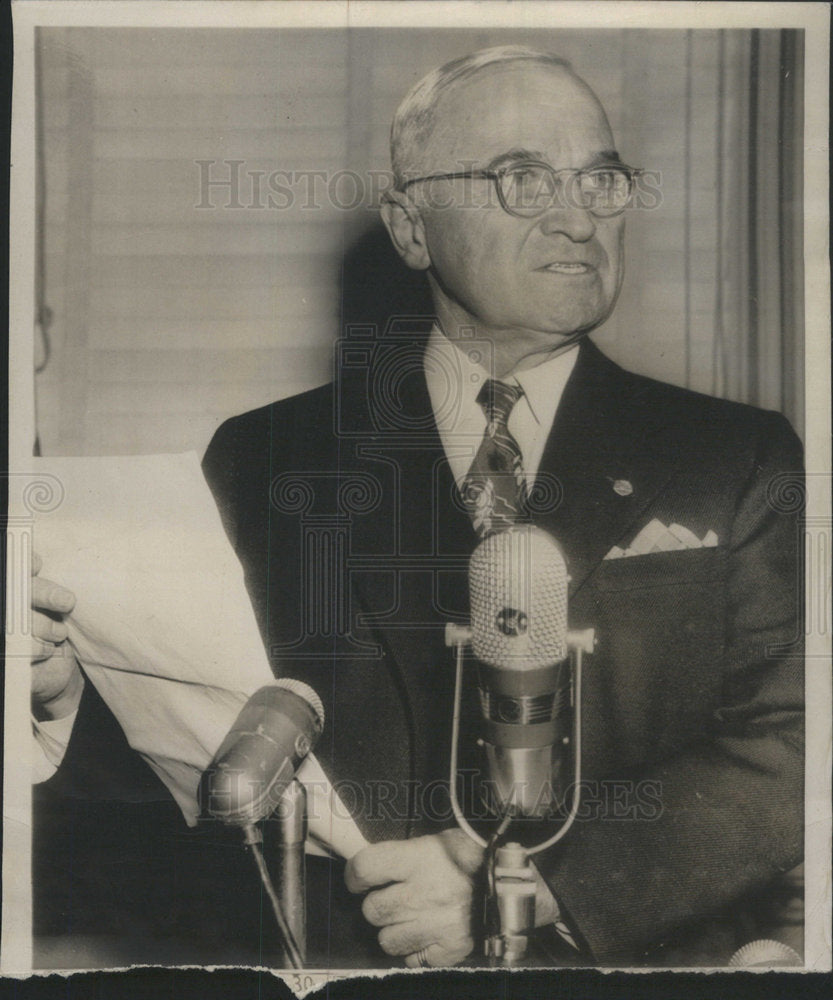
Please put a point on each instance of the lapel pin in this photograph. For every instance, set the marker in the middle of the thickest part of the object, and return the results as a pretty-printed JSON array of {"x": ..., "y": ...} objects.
[{"x": 622, "y": 487}]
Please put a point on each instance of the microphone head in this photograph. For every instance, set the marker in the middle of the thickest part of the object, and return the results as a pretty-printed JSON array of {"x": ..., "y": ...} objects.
[
  {"x": 275, "y": 730},
  {"x": 301, "y": 690},
  {"x": 518, "y": 588},
  {"x": 765, "y": 954}
]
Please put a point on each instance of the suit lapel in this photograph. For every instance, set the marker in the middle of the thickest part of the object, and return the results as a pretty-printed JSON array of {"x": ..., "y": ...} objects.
[
  {"x": 409, "y": 564},
  {"x": 425, "y": 528},
  {"x": 607, "y": 464}
]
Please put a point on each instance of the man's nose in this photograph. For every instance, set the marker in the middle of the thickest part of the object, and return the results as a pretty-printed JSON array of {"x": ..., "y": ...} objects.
[{"x": 568, "y": 218}]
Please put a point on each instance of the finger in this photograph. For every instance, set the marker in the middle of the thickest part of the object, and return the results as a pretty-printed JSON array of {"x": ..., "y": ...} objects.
[
  {"x": 464, "y": 852},
  {"x": 51, "y": 596},
  {"x": 48, "y": 629},
  {"x": 379, "y": 864},
  {"x": 405, "y": 939},
  {"x": 37, "y": 563},
  {"x": 401, "y": 901},
  {"x": 391, "y": 905},
  {"x": 432, "y": 955},
  {"x": 42, "y": 650},
  {"x": 448, "y": 927},
  {"x": 441, "y": 954}
]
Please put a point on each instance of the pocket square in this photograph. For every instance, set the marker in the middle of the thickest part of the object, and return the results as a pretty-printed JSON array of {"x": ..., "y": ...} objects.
[{"x": 656, "y": 537}]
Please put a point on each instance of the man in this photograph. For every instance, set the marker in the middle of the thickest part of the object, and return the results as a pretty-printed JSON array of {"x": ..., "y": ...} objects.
[{"x": 510, "y": 196}]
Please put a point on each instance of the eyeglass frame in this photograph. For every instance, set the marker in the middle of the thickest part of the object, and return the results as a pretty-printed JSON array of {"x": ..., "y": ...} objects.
[{"x": 496, "y": 174}]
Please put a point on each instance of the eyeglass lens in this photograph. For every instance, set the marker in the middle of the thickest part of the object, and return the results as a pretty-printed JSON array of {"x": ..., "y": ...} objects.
[{"x": 529, "y": 189}]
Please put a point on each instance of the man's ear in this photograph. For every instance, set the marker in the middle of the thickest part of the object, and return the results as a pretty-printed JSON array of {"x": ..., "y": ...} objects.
[{"x": 406, "y": 229}]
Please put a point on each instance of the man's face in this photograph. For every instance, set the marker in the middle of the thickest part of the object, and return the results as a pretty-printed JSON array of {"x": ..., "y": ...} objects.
[{"x": 540, "y": 279}]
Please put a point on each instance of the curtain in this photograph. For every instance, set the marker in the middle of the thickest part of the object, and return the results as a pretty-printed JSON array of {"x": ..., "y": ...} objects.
[{"x": 758, "y": 354}]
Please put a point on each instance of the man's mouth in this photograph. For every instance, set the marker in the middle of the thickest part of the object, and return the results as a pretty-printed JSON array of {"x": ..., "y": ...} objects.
[{"x": 566, "y": 267}]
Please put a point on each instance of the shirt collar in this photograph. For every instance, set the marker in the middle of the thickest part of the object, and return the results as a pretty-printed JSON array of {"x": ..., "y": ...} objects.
[
  {"x": 454, "y": 373},
  {"x": 544, "y": 384}
]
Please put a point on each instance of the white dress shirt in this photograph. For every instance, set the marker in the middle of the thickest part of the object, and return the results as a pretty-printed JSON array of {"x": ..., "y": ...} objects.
[{"x": 455, "y": 373}]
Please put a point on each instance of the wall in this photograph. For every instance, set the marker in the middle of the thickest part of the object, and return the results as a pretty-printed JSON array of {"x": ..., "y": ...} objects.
[{"x": 170, "y": 315}]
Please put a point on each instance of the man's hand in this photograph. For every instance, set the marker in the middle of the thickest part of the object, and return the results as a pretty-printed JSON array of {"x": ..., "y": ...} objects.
[
  {"x": 57, "y": 682},
  {"x": 422, "y": 895}
]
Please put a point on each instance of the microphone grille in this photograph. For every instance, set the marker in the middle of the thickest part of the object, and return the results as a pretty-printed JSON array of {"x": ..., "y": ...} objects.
[
  {"x": 518, "y": 589},
  {"x": 764, "y": 953},
  {"x": 303, "y": 691}
]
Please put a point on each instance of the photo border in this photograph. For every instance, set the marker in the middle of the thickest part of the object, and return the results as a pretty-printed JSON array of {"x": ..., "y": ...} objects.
[{"x": 814, "y": 17}]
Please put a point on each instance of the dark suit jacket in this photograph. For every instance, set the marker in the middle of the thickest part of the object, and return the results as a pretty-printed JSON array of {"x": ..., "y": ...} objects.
[{"x": 341, "y": 506}]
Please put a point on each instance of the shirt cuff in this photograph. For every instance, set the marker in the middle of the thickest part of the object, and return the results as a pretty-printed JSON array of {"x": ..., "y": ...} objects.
[{"x": 51, "y": 739}]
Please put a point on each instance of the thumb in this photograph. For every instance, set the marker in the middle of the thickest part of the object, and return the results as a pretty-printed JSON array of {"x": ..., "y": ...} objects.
[{"x": 463, "y": 851}]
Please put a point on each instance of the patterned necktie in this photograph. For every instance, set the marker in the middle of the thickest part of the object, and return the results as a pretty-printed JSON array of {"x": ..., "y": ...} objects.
[{"x": 494, "y": 490}]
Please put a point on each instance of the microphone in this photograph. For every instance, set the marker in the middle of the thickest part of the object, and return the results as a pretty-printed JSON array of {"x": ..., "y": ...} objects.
[
  {"x": 256, "y": 762},
  {"x": 765, "y": 954},
  {"x": 518, "y": 589}
]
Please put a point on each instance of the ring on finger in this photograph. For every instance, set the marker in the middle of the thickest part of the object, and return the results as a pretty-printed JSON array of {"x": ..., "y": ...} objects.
[{"x": 422, "y": 961}]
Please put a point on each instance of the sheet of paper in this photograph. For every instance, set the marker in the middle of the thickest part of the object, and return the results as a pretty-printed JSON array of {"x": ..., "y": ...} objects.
[{"x": 162, "y": 624}]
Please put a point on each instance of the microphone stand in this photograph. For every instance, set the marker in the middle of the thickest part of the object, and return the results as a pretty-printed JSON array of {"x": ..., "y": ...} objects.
[
  {"x": 289, "y": 899},
  {"x": 510, "y": 902}
]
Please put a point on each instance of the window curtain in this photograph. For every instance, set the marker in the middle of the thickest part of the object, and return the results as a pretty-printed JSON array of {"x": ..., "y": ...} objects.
[{"x": 758, "y": 348}]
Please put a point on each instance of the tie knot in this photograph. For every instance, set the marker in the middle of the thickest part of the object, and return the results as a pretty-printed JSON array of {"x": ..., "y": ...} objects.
[{"x": 497, "y": 399}]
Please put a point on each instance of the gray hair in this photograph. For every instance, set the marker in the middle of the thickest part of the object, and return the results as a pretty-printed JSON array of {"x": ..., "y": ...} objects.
[{"x": 415, "y": 117}]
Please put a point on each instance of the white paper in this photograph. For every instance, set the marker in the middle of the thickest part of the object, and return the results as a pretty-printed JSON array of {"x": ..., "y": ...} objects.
[{"x": 162, "y": 623}]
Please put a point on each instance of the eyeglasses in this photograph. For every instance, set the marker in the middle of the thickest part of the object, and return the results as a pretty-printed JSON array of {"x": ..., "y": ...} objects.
[{"x": 529, "y": 187}]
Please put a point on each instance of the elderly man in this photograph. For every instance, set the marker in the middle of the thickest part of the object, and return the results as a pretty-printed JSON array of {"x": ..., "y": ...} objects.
[{"x": 511, "y": 197}]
